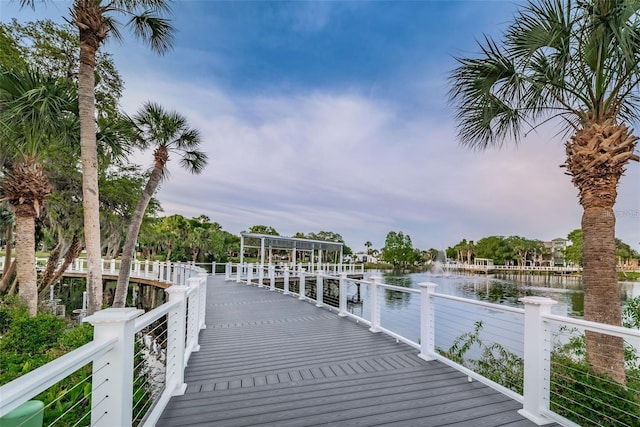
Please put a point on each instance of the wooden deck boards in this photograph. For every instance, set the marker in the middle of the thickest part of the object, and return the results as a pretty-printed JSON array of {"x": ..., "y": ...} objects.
[{"x": 271, "y": 360}]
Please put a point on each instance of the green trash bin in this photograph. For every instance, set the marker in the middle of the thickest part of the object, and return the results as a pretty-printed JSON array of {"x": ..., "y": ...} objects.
[{"x": 29, "y": 414}]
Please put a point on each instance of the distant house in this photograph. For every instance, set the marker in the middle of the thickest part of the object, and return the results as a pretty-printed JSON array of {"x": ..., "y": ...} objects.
[
  {"x": 557, "y": 249},
  {"x": 363, "y": 257}
]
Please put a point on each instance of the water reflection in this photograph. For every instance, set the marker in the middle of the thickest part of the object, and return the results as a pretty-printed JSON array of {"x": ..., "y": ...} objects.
[
  {"x": 504, "y": 289},
  {"x": 397, "y": 299}
]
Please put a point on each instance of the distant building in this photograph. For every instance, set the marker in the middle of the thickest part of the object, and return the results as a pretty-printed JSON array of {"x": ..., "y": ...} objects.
[{"x": 557, "y": 248}]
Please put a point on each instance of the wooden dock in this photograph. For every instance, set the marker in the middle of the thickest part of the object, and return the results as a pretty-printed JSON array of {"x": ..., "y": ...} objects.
[{"x": 271, "y": 359}]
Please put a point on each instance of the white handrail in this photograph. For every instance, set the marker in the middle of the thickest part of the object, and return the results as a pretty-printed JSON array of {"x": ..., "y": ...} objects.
[
  {"x": 114, "y": 331},
  {"x": 35, "y": 382}
]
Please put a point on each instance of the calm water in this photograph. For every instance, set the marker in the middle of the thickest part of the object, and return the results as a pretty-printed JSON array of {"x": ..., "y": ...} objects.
[
  {"x": 508, "y": 288},
  {"x": 400, "y": 311}
]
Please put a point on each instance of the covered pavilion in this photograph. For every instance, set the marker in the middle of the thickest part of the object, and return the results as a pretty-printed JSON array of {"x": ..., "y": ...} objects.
[{"x": 318, "y": 249}]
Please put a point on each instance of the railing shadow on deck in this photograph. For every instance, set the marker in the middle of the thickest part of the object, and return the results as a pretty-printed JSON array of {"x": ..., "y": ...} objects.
[{"x": 523, "y": 342}]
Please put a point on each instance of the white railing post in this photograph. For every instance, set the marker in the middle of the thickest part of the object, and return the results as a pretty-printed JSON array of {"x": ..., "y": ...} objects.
[
  {"x": 249, "y": 273},
  {"x": 193, "y": 318},
  {"x": 375, "y": 304},
  {"x": 176, "y": 324},
  {"x": 238, "y": 273},
  {"x": 213, "y": 268},
  {"x": 112, "y": 383},
  {"x": 146, "y": 268},
  {"x": 537, "y": 358},
  {"x": 227, "y": 271},
  {"x": 319, "y": 289},
  {"x": 203, "y": 300},
  {"x": 112, "y": 265},
  {"x": 427, "y": 321},
  {"x": 272, "y": 277},
  {"x": 342, "y": 309},
  {"x": 260, "y": 275},
  {"x": 301, "y": 285},
  {"x": 285, "y": 287}
]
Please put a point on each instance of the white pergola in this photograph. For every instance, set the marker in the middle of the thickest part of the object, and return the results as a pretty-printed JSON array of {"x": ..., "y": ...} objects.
[{"x": 266, "y": 242}]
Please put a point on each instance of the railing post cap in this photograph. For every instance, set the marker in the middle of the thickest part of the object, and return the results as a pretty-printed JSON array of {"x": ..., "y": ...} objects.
[
  {"x": 538, "y": 301},
  {"x": 375, "y": 278},
  {"x": 428, "y": 285},
  {"x": 113, "y": 315},
  {"x": 176, "y": 289}
]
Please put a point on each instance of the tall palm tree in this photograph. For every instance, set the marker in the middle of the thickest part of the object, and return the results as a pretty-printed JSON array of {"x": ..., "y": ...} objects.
[
  {"x": 96, "y": 21},
  {"x": 167, "y": 132},
  {"x": 575, "y": 62},
  {"x": 34, "y": 110},
  {"x": 368, "y": 245}
]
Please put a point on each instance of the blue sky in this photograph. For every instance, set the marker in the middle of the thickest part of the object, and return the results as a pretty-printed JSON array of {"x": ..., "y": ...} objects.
[{"x": 333, "y": 115}]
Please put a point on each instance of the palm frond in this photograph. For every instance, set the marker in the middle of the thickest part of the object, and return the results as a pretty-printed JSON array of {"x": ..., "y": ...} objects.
[
  {"x": 156, "y": 31},
  {"x": 194, "y": 161},
  {"x": 576, "y": 61}
]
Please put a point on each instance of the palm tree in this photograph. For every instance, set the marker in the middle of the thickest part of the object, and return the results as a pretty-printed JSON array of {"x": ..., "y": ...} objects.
[
  {"x": 34, "y": 110},
  {"x": 575, "y": 62},
  {"x": 168, "y": 132},
  {"x": 95, "y": 20}
]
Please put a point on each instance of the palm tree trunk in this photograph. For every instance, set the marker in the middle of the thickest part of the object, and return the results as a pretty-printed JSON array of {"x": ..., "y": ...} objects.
[
  {"x": 50, "y": 268},
  {"x": 89, "y": 156},
  {"x": 601, "y": 294},
  {"x": 25, "y": 256},
  {"x": 7, "y": 249},
  {"x": 72, "y": 253},
  {"x": 595, "y": 172},
  {"x": 120, "y": 296},
  {"x": 7, "y": 275}
]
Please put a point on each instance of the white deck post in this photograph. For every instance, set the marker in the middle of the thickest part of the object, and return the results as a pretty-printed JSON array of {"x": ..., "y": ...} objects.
[
  {"x": 227, "y": 271},
  {"x": 193, "y": 317},
  {"x": 239, "y": 273},
  {"x": 112, "y": 384},
  {"x": 319, "y": 289},
  {"x": 203, "y": 300},
  {"x": 176, "y": 324},
  {"x": 537, "y": 359},
  {"x": 285, "y": 287},
  {"x": 375, "y": 304},
  {"x": 342, "y": 309},
  {"x": 112, "y": 265},
  {"x": 301, "y": 285},
  {"x": 272, "y": 278},
  {"x": 427, "y": 321},
  {"x": 249, "y": 273}
]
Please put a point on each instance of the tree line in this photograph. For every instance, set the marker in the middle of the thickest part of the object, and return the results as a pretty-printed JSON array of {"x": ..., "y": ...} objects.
[
  {"x": 512, "y": 250},
  {"x": 66, "y": 175}
]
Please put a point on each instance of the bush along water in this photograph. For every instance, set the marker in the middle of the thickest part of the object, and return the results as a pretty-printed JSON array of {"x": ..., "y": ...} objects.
[{"x": 577, "y": 393}]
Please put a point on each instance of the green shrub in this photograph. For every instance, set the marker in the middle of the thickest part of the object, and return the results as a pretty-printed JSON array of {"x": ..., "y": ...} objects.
[
  {"x": 576, "y": 392},
  {"x": 14, "y": 365},
  {"x": 75, "y": 337},
  {"x": 32, "y": 335},
  {"x": 588, "y": 399}
]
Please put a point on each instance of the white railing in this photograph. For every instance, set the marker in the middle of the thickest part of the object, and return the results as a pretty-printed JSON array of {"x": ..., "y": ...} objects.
[
  {"x": 491, "y": 267},
  {"x": 255, "y": 271},
  {"x": 161, "y": 271},
  {"x": 523, "y": 342},
  {"x": 111, "y": 354}
]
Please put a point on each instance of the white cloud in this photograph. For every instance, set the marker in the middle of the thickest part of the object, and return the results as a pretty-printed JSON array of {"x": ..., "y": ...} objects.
[{"x": 345, "y": 163}]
